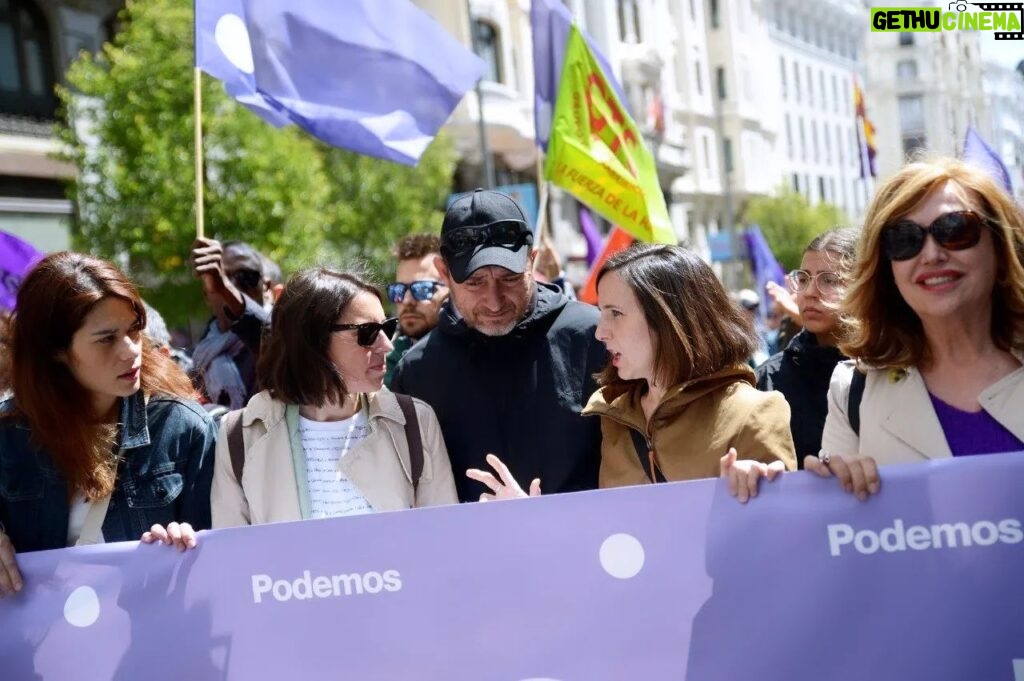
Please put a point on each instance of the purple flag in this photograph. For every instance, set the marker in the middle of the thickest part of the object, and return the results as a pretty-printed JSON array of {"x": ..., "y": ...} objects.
[
  {"x": 590, "y": 232},
  {"x": 977, "y": 152},
  {"x": 762, "y": 260},
  {"x": 659, "y": 582},
  {"x": 378, "y": 77},
  {"x": 549, "y": 22},
  {"x": 16, "y": 258}
]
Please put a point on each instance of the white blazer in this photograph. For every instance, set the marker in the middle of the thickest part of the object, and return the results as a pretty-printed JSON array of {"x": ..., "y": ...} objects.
[{"x": 898, "y": 423}]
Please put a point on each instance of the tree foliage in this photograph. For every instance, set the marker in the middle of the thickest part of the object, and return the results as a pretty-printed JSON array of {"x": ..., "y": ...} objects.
[
  {"x": 129, "y": 129},
  {"x": 789, "y": 223}
]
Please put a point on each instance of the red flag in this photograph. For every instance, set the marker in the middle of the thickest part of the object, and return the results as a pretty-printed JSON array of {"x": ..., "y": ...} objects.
[{"x": 618, "y": 240}]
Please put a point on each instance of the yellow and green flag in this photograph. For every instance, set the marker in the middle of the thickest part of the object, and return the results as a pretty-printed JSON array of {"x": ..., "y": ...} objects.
[{"x": 596, "y": 151}]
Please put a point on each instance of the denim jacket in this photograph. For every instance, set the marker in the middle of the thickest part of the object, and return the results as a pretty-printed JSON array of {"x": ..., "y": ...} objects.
[{"x": 163, "y": 476}]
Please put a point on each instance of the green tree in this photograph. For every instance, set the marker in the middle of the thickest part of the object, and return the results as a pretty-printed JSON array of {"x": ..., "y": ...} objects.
[
  {"x": 130, "y": 131},
  {"x": 789, "y": 223}
]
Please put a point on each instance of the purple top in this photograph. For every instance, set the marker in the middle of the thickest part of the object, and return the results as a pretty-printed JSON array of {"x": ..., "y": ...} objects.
[{"x": 973, "y": 432}]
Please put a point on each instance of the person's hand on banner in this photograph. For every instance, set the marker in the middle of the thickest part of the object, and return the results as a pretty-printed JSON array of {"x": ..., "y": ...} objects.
[
  {"x": 180, "y": 535},
  {"x": 507, "y": 488},
  {"x": 858, "y": 475},
  {"x": 548, "y": 264},
  {"x": 744, "y": 475},
  {"x": 10, "y": 577},
  {"x": 207, "y": 260}
]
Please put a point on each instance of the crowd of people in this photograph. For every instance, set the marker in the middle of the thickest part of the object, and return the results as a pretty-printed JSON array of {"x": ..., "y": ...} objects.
[{"x": 899, "y": 342}]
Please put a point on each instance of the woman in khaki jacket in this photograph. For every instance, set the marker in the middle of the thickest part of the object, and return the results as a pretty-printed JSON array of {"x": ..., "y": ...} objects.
[
  {"x": 936, "y": 317},
  {"x": 677, "y": 400},
  {"x": 324, "y": 438}
]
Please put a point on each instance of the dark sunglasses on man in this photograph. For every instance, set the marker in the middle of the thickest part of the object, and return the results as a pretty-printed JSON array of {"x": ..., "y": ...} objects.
[
  {"x": 510, "y": 234},
  {"x": 424, "y": 289},
  {"x": 366, "y": 334},
  {"x": 246, "y": 279},
  {"x": 956, "y": 231}
]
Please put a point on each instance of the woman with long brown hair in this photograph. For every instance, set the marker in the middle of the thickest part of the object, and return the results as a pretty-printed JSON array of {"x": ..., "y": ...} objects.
[{"x": 102, "y": 440}]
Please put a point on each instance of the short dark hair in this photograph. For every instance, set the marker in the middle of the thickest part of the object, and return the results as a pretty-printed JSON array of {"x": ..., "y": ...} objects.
[
  {"x": 294, "y": 364},
  {"x": 416, "y": 246},
  {"x": 697, "y": 330}
]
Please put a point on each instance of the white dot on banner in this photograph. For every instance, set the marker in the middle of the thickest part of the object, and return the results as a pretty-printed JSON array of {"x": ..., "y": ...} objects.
[
  {"x": 622, "y": 556},
  {"x": 233, "y": 40},
  {"x": 82, "y": 608}
]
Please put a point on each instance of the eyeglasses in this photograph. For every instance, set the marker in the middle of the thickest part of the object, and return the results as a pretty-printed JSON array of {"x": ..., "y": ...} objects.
[
  {"x": 421, "y": 290},
  {"x": 954, "y": 231},
  {"x": 510, "y": 234},
  {"x": 366, "y": 334},
  {"x": 245, "y": 278},
  {"x": 825, "y": 282}
]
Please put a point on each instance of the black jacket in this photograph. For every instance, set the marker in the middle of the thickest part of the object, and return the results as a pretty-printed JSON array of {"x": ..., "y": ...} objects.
[
  {"x": 518, "y": 396},
  {"x": 802, "y": 373}
]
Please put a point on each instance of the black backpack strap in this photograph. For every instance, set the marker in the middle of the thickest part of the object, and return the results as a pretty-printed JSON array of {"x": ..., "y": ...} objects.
[
  {"x": 232, "y": 424},
  {"x": 643, "y": 452},
  {"x": 854, "y": 398},
  {"x": 412, "y": 437}
]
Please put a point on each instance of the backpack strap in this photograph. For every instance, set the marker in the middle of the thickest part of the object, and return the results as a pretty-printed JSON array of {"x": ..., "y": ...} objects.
[
  {"x": 232, "y": 423},
  {"x": 854, "y": 399},
  {"x": 643, "y": 452},
  {"x": 412, "y": 438}
]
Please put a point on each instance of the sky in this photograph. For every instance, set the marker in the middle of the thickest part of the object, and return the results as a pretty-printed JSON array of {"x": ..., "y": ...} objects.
[{"x": 1005, "y": 52}]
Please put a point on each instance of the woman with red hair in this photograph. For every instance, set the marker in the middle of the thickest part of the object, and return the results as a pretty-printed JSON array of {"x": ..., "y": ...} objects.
[{"x": 101, "y": 441}]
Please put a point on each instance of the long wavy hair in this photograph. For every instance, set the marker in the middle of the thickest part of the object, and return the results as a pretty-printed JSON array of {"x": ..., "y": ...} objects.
[
  {"x": 882, "y": 330},
  {"x": 53, "y": 302}
]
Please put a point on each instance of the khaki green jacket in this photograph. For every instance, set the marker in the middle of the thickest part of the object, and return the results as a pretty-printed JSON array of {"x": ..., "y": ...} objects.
[{"x": 692, "y": 428}]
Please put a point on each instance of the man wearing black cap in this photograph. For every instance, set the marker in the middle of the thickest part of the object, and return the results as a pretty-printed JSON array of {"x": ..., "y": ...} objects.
[{"x": 511, "y": 363}]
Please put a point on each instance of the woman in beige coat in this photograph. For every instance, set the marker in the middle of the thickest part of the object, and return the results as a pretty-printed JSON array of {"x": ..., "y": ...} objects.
[
  {"x": 936, "y": 310},
  {"x": 325, "y": 438}
]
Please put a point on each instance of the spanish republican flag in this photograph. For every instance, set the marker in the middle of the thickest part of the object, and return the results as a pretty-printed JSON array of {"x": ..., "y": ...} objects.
[
  {"x": 865, "y": 134},
  {"x": 596, "y": 151}
]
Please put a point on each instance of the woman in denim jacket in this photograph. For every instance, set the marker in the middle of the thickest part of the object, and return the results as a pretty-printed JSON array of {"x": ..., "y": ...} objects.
[{"x": 98, "y": 418}]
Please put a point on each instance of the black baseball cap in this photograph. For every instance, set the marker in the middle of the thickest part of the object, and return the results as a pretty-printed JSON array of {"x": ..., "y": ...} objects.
[{"x": 483, "y": 208}]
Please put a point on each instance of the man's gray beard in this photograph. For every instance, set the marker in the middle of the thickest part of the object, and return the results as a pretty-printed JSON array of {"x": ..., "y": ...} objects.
[{"x": 491, "y": 331}]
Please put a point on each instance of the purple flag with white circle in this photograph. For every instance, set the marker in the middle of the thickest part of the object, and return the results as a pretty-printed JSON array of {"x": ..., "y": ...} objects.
[{"x": 17, "y": 257}]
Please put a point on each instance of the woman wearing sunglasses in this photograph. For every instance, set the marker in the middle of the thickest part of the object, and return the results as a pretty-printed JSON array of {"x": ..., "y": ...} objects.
[
  {"x": 936, "y": 319},
  {"x": 324, "y": 438},
  {"x": 802, "y": 371},
  {"x": 677, "y": 399}
]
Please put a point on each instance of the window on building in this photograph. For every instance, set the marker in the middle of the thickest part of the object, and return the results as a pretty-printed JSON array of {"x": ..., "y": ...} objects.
[
  {"x": 26, "y": 62},
  {"x": 846, "y": 95},
  {"x": 796, "y": 81},
  {"x": 822, "y": 196},
  {"x": 796, "y": 182},
  {"x": 913, "y": 144},
  {"x": 782, "y": 76},
  {"x": 906, "y": 39},
  {"x": 828, "y": 143},
  {"x": 629, "y": 21},
  {"x": 814, "y": 141},
  {"x": 810, "y": 86},
  {"x": 488, "y": 46},
  {"x": 727, "y": 154},
  {"x": 713, "y": 11},
  {"x": 706, "y": 148},
  {"x": 698, "y": 79},
  {"x": 911, "y": 109},
  {"x": 720, "y": 82},
  {"x": 835, "y": 93},
  {"x": 839, "y": 146},
  {"x": 693, "y": 10},
  {"x": 803, "y": 139},
  {"x": 906, "y": 70},
  {"x": 789, "y": 137},
  {"x": 821, "y": 89}
]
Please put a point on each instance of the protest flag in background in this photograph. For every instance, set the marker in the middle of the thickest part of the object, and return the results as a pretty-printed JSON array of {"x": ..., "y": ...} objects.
[
  {"x": 865, "y": 134},
  {"x": 377, "y": 77},
  {"x": 977, "y": 152},
  {"x": 597, "y": 153},
  {"x": 618, "y": 240},
  {"x": 16, "y": 258}
]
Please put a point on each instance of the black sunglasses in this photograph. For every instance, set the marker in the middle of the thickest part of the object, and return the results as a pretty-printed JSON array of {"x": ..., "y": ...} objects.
[
  {"x": 421, "y": 290},
  {"x": 954, "y": 231},
  {"x": 246, "y": 278},
  {"x": 366, "y": 334},
  {"x": 510, "y": 234}
]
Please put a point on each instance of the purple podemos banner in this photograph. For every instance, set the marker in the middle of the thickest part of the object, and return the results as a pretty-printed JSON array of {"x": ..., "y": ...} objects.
[{"x": 678, "y": 581}]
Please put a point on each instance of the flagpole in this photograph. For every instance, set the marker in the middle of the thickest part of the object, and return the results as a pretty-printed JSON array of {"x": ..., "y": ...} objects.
[
  {"x": 198, "y": 127},
  {"x": 542, "y": 193}
]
